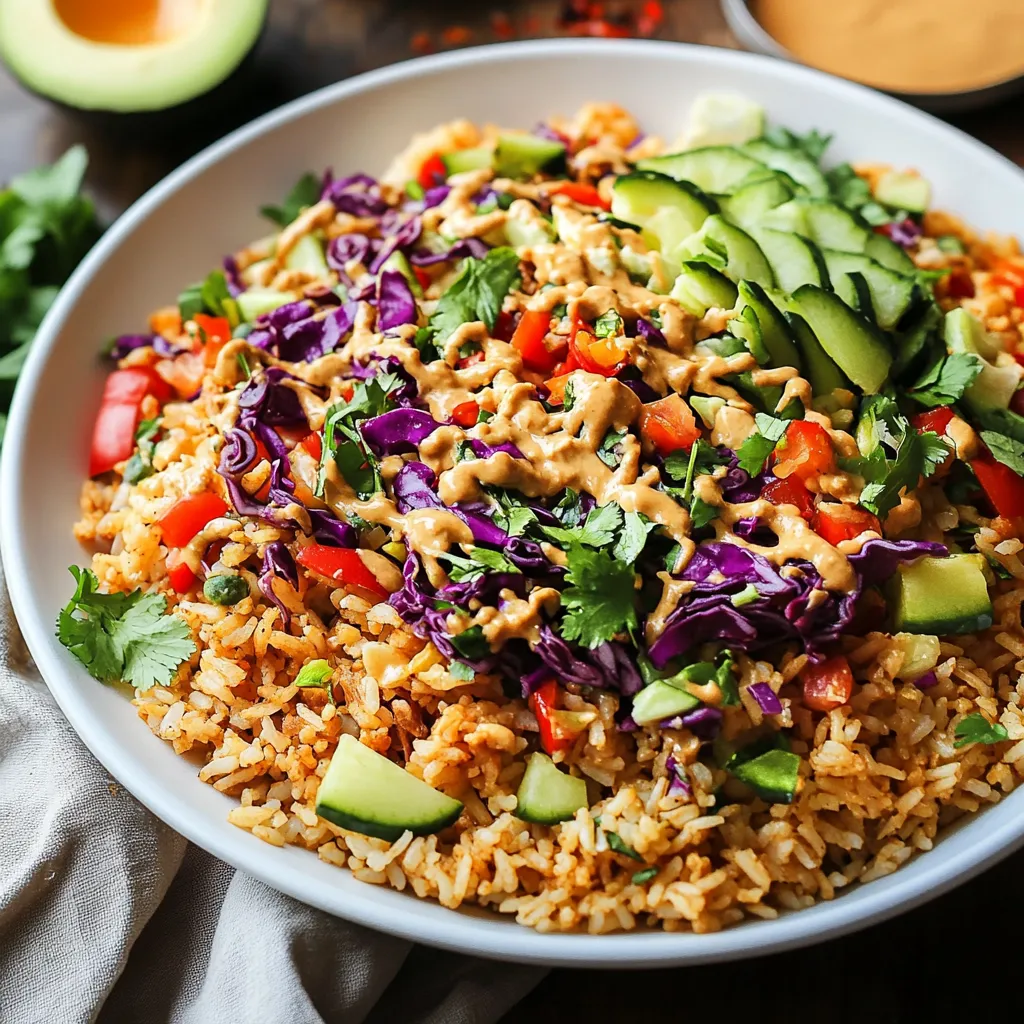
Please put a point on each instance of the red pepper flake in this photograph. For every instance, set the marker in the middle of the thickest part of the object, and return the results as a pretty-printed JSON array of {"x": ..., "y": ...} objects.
[{"x": 456, "y": 35}]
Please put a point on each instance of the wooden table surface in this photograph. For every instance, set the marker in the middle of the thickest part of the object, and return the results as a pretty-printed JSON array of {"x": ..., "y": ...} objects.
[{"x": 934, "y": 963}]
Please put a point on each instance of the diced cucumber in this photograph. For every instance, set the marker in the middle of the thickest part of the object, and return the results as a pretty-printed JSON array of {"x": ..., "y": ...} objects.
[
  {"x": 523, "y": 233},
  {"x": 966, "y": 333},
  {"x": 775, "y": 333},
  {"x": 853, "y": 342},
  {"x": 660, "y": 700},
  {"x": 723, "y": 119},
  {"x": 800, "y": 167},
  {"x": 904, "y": 191},
  {"x": 548, "y": 795},
  {"x": 719, "y": 239},
  {"x": 397, "y": 261},
  {"x": 366, "y": 792},
  {"x": 891, "y": 293},
  {"x": 706, "y": 407},
  {"x": 637, "y": 197},
  {"x": 819, "y": 368},
  {"x": 942, "y": 596},
  {"x": 794, "y": 260},
  {"x": 995, "y": 386},
  {"x": 255, "y": 302},
  {"x": 885, "y": 251},
  {"x": 751, "y": 201},
  {"x": 920, "y": 654},
  {"x": 829, "y": 225},
  {"x": 307, "y": 255},
  {"x": 712, "y": 168},
  {"x": 467, "y": 159},
  {"x": 699, "y": 287},
  {"x": 522, "y": 156}
]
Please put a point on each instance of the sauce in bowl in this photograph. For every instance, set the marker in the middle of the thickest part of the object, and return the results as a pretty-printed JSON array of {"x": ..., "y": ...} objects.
[{"x": 914, "y": 46}]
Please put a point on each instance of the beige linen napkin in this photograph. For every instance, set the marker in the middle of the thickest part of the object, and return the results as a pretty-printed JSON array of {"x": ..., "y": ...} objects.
[{"x": 108, "y": 915}]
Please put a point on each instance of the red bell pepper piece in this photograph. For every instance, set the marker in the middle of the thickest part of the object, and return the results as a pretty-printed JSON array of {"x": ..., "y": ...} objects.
[
  {"x": 934, "y": 420},
  {"x": 579, "y": 192},
  {"x": 1003, "y": 488},
  {"x": 113, "y": 436},
  {"x": 432, "y": 172},
  {"x": 187, "y": 516},
  {"x": 827, "y": 685},
  {"x": 465, "y": 414},
  {"x": 528, "y": 341},
  {"x": 343, "y": 565},
  {"x": 805, "y": 451},
  {"x": 790, "y": 491},
  {"x": 556, "y": 388},
  {"x": 314, "y": 444},
  {"x": 595, "y": 355},
  {"x": 181, "y": 577},
  {"x": 835, "y": 522},
  {"x": 669, "y": 425},
  {"x": 543, "y": 701}
]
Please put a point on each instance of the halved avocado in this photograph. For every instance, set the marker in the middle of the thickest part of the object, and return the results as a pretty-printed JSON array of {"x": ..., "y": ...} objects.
[{"x": 127, "y": 56}]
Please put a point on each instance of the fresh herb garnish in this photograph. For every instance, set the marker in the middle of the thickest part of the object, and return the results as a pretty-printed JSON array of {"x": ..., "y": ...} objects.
[
  {"x": 597, "y": 530},
  {"x": 617, "y": 845},
  {"x": 976, "y": 728},
  {"x": 684, "y": 469},
  {"x": 471, "y": 567},
  {"x": 632, "y": 537},
  {"x": 471, "y": 643},
  {"x": 945, "y": 379},
  {"x": 476, "y": 294},
  {"x": 609, "y": 452},
  {"x": 754, "y": 452},
  {"x": 123, "y": 637},
  {"x": 568, "y": 395},
  {"x": 645, "y": 875},
  {"x": 210, "y": 295},
  {"x": 600, "y": 601},
  {"x": 305, "y": 192},
  {"x": 813, "y": 144},
  {"x": 140, "y": 465},
  {"x": 608, "y": 325},
  {"x": 1007, "y": 450},
  {"x": 460, "y": 670},
  {"x": 243, "y": 365}
]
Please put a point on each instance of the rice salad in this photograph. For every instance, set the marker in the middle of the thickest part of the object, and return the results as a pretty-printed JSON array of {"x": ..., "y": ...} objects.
[{"x": 606, "y": 531}]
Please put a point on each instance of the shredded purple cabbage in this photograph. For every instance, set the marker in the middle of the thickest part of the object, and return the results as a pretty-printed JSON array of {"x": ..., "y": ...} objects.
[
  {"x": 703, "y": 722},
  {"x": 277, "y": 561},
  {"x": 472, "y": 247},
  {"x": 927, "y": 681},
  {"x": 395, "y": 302},
  {"x": 651, "y": 334},
  {"x": 678, "y": 786},
  {"x": 399, "y": 430},
  {"x": 767, "y": 699},
  {"x": 358, "y": 194},
  {"x": 232, "y": 276},
  {"x": 129, "y": 343}
]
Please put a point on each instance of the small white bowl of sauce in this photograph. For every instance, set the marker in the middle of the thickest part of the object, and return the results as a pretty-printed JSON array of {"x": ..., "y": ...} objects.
[{"x": 942, "y": 55}]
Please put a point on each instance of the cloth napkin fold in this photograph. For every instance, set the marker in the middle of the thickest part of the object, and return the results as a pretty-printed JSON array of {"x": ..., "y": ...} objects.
[{"x": 108, "y": 915}]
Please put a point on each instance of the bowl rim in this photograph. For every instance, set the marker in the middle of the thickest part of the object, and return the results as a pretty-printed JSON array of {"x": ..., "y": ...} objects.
[
  {"x": 752, "y": 33},
  {"x": 464, "y": 932}
]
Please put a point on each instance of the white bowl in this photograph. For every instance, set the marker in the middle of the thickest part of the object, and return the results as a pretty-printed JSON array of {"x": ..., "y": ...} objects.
[{"x": 181, "y": 228}]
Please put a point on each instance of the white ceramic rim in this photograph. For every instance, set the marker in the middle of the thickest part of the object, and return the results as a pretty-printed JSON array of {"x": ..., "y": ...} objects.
[{"x": 999, "y": 834}]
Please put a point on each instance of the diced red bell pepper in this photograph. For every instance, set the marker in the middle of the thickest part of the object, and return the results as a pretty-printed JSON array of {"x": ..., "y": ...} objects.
[
  {"x": 669, "y": 425},
  {"x": 113, "y": 435},
  {"x": 343, "y": 565},
  {"x": 314, "y": 444},
  {"x": 423, "y": 277},
  {"x": 790, "y": 491},
  {"x": 805, "y": 451},
  {"x": 505, "y": 326},
  {"x": 556, "y": 388},
  {"x": 579, "y": 192},
  {"x": 827, "y": 685},
  {"x": 959, "y": 284},
  {"x": 834, "y": 522},
  {"x": 181, "y": 577},
  {"x": 528, "y": 341},
  {"x": 187, "y": 516},
  {"x": 432, "y": 172},
  {"x": 543, "y": 703},
  {"x": 465, "y": 414},
  {"x": 595, "y": 355},
  {"x": 934, "y": 420},
  {"x": 1003, "y": 488},
  {"x": 214, "y": 334}
]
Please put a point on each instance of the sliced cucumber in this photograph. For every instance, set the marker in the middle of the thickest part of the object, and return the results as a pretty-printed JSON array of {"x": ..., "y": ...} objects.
[
  {"x": 744, "y": 336},
  {"x": 467, "y": 159},
  {"x": 891, "y": 293},
  {"x": 699, "y": 287},
  {"x": 548, "y": 795},
  {"x": 723, "y": 119},
  {"x": 904, "y": 191},
  {"x": 775, "y": 332},
  {"x": 366, "y": 792},
  {"x": 745, "y": 326},
  {"x": 794, "y": 260},
  {"x": 853, "y": 342},
  {"x": 995, "y": 386},
  {"x": 397, "y": 261},
  {"x": 660, "y": 700},
  {"x": 800, "y": 167},
  {"x": 639, "y": 196},
  {"x": 721, "y": 240},
  {"x": 255, "y": 302},
  {"x": 819, "y": 368},
  {"x": 885, "y": 251},
  {"x": 751, "y": 201},
  {"x": 523, "y": 156},
  {"x": 942, "y": 596},
  {"x": 712, "y": 168},
  {"x": 706, "y": 407},
  {"x": 307, "y": 255}
]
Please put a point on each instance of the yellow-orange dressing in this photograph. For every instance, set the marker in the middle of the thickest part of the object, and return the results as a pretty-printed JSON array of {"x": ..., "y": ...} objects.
[{"x": 927, "y": 46}]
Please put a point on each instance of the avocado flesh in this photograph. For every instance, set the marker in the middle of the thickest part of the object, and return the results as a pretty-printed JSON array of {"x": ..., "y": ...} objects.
[{"x": 88, "y": 75}]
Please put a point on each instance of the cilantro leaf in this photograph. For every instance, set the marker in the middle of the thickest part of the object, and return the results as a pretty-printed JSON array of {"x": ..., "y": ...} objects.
[
  {"x": 633, "y": 537},
  {"x": 976, "y": 728},
  {"x": 597, "y": 531},
  {"x": 1007, "y": 450},
  {"x": 609, "y": 325},
  {"x": 945, "y": 379},
  {"x": 210, "y": 295},
  {"x": 123, "y": 637},
  {"x": 471, "y": 643},
  {"x": 477, "y": 293},
  {"x": 140, "y": 464},
  {"x": 305, "y": 192},
  {"x": 644, "y": 875},
  {"x": 600, "y": 601},
  {"x": 471, "y": 567},
  {"x": 703, "y": 457},
  {"x": 754, "y": 452},
  {"x": 848, "y": 188},
  {"x": 460, "y": 670},
  {"x": 511, "y": 514},
  {"x": 617, "y": 845},
  {"x": 608, "y": 452}
]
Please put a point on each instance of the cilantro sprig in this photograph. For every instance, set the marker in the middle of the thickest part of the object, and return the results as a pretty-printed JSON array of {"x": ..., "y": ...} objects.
[
  {"x": 945, "y": 379},
  {"x": 123, "y": 637},
  {"x": 600, "y": 601},
  {"x": 976, "y": 728},
  {"x": 754, "y": 452},
  {"x": 475, "y": 295},
  {"x": 465, "y": 568},
  {"x": 1007, "y": 450},
  {"x": 305, "y": 192},
  {"x": 682, "y": 470}
]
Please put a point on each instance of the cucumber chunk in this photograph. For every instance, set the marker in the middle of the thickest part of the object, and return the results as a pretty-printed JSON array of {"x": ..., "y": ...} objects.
[
  {"x": 941, "y": 596},
  {"x": 366, "y": 792},
  {"x": 775, "y": 332},
  {"x": 467, "y": 159},
  {"x": 819, "y": 368},
  {"x": 699, "y": 287},
  {"x": 995, "y": 386},
  {"x": 800, "y": 167},
  {"x": 659, "y": 700},
  {"x": 644, "y": 196},
  {"x": 397, "y": 261},
  {"x": 706, "y": 407},
  {"x": 523, "y": 156},
  {"x": 921, "y": 654},
  {"x": 891, "y": 294},
  {"x": 885, "y": 251},
  {"x": 548, "y": 795},
  {"x": 723, "y": 119},
  {"x": 794, "y": 260},
  {"x": 904, "y": 191},
  {"x": 255, "y": 302},
  {"x": 721, "y": 240},
  {"x": 852, "y": 341},
  {"x": 307, "y": 255},
  {"x": 751, "y": 201},
  {"x": 712, "y": 168}
]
